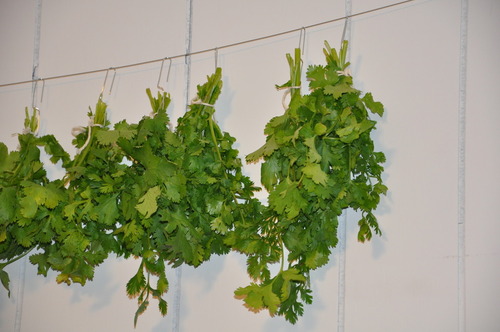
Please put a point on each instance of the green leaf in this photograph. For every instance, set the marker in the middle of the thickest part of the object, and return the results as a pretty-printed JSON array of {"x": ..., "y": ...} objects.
[
  {"x": 4, "y": 153},
  {"x": 218, "y": 225},
  {"x": 293, "y": 274},
  {"x": 69, "y": 210},
  {"x": 49, "y": 195},
  {"x": 107, "y": 210},
  {"x": 259, "y": 297},
  {"x": 374, "y": 106},
  {"x": 4, "y": 278},
  {"x": 287, "y": 198},
  {"x": 315, "y": 173},
  {"x": 176, "y": 187},
  {"x": 3, "y": 234},
  {"x": 122, "y": 130},
  {"x": 54, "y": 149},
  {"x": 142, "y": 307},
  {"x": 29, "y": 207},
  {"x": 269, "y": 171},
  {"x": 288, "y": 276},
  {"x": 319, "y": 129},
  {"x": 264, "y": 150},
  {"x": 312, "y": 153},
  {"x": 337, "y": 90},
  {"x": 136, "y": 283},
  {"x": 148, "y": 203},
  {"x": 315, "y": 259},
  {"x": 8, "y": 204},
  {"x": 162, "y": 306}
]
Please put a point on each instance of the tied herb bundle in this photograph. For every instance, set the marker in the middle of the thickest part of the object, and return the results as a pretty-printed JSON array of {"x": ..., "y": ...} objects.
[
  {"x": 319, "y": 159},
  {"x": 30, "y": 204},
  {"x": 141, "y": 190}
]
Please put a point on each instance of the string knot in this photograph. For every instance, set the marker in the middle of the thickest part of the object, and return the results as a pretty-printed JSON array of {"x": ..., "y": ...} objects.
[
  {"x": 80, "y": 130},
  {"x": 345, "y": 72},
  {"x": 197, "y": 101},
  {"x": 288, "y": 90}
]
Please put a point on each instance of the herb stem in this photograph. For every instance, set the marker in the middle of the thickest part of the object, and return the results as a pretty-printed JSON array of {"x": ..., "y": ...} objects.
[
  {"x": 15, "y": 259},
  {"x": 282, "y": 255}
]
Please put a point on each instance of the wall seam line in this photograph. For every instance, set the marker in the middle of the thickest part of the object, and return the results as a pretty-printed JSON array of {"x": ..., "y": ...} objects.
[
  {"x": 187, "y": 77},
  {"x": 342, "y": 231},
  {"x": 461, "y": 166},
  {"x": 34, "y": 76}
]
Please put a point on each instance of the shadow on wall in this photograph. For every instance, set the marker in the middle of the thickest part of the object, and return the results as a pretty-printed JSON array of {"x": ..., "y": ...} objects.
[{"x": 101, "y": 289}]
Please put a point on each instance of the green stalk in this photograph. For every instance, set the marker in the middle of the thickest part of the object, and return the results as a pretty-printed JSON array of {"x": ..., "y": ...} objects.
[
  {"x": 282, "y": 255},
  {"x": 2, "y": 265}
]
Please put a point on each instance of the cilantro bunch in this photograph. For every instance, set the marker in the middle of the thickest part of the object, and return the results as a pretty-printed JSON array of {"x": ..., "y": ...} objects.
[
  {"x": 143, "y": 190},
  {"x": 319, "y": 159},
  {"x": 30, "y": 204}
]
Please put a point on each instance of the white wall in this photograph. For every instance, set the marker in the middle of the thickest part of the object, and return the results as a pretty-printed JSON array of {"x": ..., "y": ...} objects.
[{"x": 407, "y": 56}]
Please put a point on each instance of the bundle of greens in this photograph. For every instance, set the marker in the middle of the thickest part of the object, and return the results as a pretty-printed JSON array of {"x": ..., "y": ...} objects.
[
  {"x": 141, "y": 190},
  {"x": 30, "y": 204},
  {"x": 319, "y": 159},
  {"x": 173, "y": 197}
]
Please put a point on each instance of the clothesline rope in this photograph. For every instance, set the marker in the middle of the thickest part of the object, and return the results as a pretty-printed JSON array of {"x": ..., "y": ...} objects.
[{"x": 210, "y": 49}]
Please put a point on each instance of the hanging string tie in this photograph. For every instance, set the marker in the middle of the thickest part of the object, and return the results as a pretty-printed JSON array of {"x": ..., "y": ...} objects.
[
  {"x": 197, "y": 101},
  {"x": 345, "y": 72},
  {"x": 288, "y": 90},
  {"x": 79, "y": 130}
]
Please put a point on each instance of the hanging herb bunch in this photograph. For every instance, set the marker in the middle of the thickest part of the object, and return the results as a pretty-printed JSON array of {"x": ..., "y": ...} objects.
[
  {"x": 319, "y": 160},
  {"x": 173, "y": 197},
  {"x": 30, "y": 204},
  {"x": 142, "y": 190}
]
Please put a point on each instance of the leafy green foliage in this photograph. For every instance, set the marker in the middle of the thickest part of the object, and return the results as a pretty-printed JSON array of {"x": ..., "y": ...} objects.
[
  {"x": 173, "y": 197},
  {"x": 319, "y": 159},
  {"x": 138, "y": 190}
]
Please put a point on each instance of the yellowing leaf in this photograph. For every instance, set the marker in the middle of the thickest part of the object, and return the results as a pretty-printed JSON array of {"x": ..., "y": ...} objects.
[
  {"x": 217, "y": 225},
  {"x": 3, "y": 234},
  {"x": 258, "y": 297},
  {"x": 29, "y": 207},
  {"x": 319, "y": 129}
]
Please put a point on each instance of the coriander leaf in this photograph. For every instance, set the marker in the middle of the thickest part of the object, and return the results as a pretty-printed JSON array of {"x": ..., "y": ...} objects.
[
  {"x": 4, "y": 278},
  {"x": 147, "y": 204},
  {"x": 264, "y": 150},
  {"x": 337, "y": 90},
  {"x": 374, "y": 106},
  {"x": 314, "y": 172}
]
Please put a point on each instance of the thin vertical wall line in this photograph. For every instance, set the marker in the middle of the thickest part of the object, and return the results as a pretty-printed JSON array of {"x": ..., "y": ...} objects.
[
  {"x": 342, "y": 229},
  {"x": 461, "y": 165},
  {"x": 34, "y": 76},
  {"x": 188, "y": 43},
  {"x": 187, "y": 78}
]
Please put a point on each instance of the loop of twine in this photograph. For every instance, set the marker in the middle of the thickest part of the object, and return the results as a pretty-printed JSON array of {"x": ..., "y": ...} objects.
[
  {"x": 79, "y": 130},
  {"x": 199, "y": 102},
  {"x": 287, "y": 92},
  {"x": 346, "y": 72}
]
